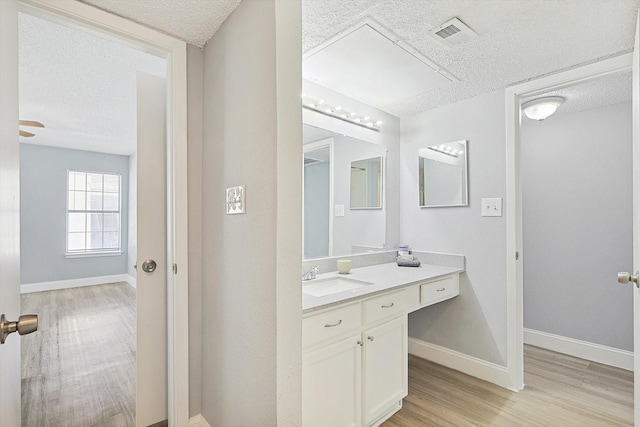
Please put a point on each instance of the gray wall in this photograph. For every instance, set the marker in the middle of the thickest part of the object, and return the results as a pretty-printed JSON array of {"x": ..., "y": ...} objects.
[
  {"x": 43, "y": 193},
  {"x": 195, "y": 69},
  {"x": 251, "y": 296},
  {"x": 577, "y": 225},
  {"x": 473, "y": 323}
]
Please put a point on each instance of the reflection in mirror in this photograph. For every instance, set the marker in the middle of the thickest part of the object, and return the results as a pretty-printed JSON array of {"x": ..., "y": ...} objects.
[
  {"x": 443, "y": 175},
  {"x": 366, "y": 183},
  {"x": 317, "y": 184},
  {"x": 330, "y": 228}
]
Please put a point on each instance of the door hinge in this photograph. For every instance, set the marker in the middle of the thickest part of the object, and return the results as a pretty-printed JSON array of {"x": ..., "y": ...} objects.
[
  {"x": 517, "y": 256},
  {"x": 175, "y": 268}
]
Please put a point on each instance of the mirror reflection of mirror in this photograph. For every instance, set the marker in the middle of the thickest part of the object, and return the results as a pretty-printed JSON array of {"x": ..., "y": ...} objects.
[
  {"x": 366, "y": 183},
  {"x": 443, "y": 175},
  {"x": 330, "y": 227}
]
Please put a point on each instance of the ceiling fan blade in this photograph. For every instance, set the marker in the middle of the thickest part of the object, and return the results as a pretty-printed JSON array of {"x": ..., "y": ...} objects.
[
  {"x": 31, "y": 123},
  {"x": 27, "y": 134}
]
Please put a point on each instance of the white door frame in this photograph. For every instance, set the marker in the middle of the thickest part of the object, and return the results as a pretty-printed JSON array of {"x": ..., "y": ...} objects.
[
  {"x": 514, "y": 96},
  {"x": 175, "y": 51}
]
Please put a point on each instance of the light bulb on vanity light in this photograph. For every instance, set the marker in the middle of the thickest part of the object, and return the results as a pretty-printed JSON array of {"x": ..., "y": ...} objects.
[{"x": 541, "y": 108}]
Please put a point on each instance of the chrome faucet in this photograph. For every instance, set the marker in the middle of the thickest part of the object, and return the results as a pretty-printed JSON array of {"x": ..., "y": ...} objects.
[{"x": 311, "y": 274}]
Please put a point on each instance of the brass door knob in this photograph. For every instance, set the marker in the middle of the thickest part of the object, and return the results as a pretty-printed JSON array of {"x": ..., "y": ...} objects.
[{"x": 26, "y": 324}]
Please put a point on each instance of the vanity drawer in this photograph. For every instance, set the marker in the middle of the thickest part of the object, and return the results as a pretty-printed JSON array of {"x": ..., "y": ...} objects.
[
  {"x": 330, "y": 323},
  {"x": 437, "y": 291},
  {"x": 386, "y": 305}
]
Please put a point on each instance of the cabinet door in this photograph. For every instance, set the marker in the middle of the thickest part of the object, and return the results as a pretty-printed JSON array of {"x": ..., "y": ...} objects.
[
  {"x": 331, "y": 385},
  {"x": 385, "y": 367}
]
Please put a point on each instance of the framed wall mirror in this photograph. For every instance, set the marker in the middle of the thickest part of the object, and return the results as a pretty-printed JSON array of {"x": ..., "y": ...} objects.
[
  {"x": 442, "y": 175},
  {"x": 330, "y": 226},
  {"x": 366, "y": 183}
]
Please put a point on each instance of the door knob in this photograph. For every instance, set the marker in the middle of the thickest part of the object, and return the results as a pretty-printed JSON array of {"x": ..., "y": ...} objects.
[
  {"x": 625, "y": 278},
  {"x": 26, "y": 324},
  {"x": 149, "y": 266}
]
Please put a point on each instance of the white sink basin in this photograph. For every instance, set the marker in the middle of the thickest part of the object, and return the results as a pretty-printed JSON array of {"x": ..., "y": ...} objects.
[{"x": 322, "y": 287}]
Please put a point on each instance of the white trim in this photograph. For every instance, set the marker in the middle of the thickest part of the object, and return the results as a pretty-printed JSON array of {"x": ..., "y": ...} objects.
[
  {"x": 175, "y": 52},
  {"x": 130, "y": 280},
  {"x": 513, "y": 205},
  {"x": 585, "y": 350},
  {"x": 74, "y": 283},
  {"x": 198, "y": 421},
  {"x": 92, "y": 254},
  {"x": 469, "y": 365}
]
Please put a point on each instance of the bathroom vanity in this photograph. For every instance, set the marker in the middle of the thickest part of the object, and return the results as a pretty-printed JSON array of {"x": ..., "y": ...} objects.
[{"x": 354, "y": 339}]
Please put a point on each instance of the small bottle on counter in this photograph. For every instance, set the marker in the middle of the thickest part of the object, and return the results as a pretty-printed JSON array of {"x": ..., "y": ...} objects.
[{"x": 403, "y": 250}]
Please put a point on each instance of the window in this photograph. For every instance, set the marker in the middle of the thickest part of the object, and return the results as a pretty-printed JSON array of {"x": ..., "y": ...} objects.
[{"x": 93, "y": 213}]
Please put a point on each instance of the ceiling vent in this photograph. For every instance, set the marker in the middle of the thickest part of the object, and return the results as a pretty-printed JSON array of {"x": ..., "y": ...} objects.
[{"x": 453, "y": 32}]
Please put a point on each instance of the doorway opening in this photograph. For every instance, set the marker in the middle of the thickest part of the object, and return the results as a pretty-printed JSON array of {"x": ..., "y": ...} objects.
[
  {"x": 576, "y": 177},
  {"x": 79, "y": 214},
  {"x": 515, "y": 255}
]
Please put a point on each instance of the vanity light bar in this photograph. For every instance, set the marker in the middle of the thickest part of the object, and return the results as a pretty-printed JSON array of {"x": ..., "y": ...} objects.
[
  {"x": 446, "y": 150},
  {"x": 337, "y": 112}
]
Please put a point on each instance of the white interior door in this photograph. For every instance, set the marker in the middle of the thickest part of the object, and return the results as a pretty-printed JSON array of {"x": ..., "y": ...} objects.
[
  {"x": 151, "y": 287},
  {"x": 9, "y": 212},
  {"x": 636, "y": 221}
]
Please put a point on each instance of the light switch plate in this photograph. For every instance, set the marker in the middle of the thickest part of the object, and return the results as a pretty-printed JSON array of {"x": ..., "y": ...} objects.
[
  {"x": 492, "y": 206},
  {"x": 235, "y": 200},
  {"x": 339, "y": 210}
]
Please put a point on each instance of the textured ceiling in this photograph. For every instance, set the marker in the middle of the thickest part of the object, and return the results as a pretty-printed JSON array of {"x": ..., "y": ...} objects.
[
  {"x": 193, "y": 21},
  {"x": 82, "y": 87},
  {"x": 84, "y": 84},
  {"x": 601, "y": 92},
  {"x": 518, "y": 39}
]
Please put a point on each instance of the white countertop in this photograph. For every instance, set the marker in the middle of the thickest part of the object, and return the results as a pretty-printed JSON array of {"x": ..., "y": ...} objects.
[{"x": 384, "y": 277}]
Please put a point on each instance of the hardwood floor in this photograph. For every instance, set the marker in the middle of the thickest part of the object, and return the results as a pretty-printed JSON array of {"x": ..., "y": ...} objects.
[
  {"x": 560, "y": 391},
  {"x": 78, "y": 369}
]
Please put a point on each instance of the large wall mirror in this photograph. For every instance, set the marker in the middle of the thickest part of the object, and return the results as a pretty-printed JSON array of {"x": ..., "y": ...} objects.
[
  {"x": 443, "y": 175},
  {"x": 333, "y": 225}
]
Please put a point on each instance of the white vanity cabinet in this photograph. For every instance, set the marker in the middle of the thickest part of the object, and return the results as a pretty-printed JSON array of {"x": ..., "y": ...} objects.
[
  {"x": 355, "y": 354},
  {"x": 385, "y": 373},
  {"x": 331, "y": 384},
  {"x": 355, "y": 379},
  {"x": 332, "y": 367}
]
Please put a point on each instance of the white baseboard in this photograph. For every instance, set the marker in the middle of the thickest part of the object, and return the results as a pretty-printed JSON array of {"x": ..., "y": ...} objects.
[
  {"x": 582, "y": 349},
  {"x": 469, "y": 365},
  {"x": 131, "y": 280},
  {"x": 198, "y": 421},
  {"x": 74, "y": 283}
]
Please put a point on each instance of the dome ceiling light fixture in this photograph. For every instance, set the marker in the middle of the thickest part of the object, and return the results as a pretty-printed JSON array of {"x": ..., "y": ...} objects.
[{"x": 541, "y": 108}]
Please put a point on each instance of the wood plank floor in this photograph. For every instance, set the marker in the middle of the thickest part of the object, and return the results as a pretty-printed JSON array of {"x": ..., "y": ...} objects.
[
  {"x": 560, "y": 391},
  {"x": 78, "y": 369}
]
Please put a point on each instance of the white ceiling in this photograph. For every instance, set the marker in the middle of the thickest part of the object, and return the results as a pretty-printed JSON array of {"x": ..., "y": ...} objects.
[
  {"x": 78, "y": 83},
  {"x": 367, "y": 65},
  {"x": 193, "y": 21},
  {"x": 598, "y": 93},
  {"x": 82, "y": 87},
  {"x": 518, "y": 39}
]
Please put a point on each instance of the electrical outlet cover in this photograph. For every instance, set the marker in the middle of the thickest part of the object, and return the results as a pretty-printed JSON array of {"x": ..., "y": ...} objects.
[{"x": 235, "y": 200}]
